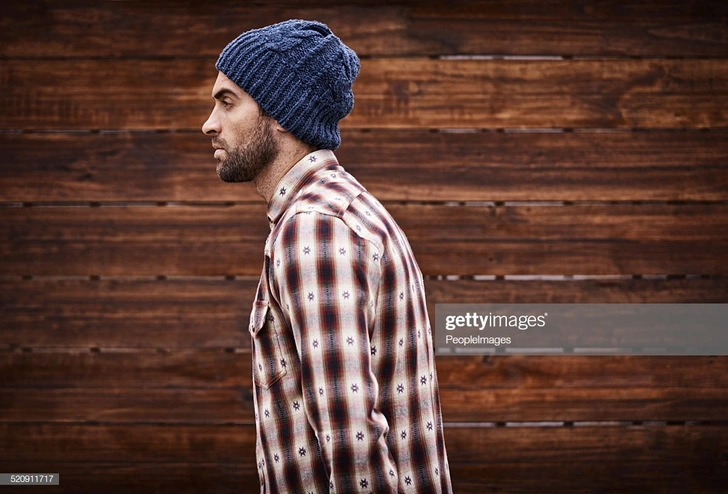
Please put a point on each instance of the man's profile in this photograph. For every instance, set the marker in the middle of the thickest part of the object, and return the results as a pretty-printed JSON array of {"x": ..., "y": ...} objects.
[{"x": 345, "y": 388}]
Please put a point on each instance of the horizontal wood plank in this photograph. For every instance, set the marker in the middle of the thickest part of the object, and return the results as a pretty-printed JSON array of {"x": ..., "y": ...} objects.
[
  {"x": 511, "y": 459},
  {"x": 118, "y": 241},
  {"x": 589, "y": 459},
  {"x": 135, "y": 405},
  {"x": 605, "y": 404},
  {"x": 124, "y": 354},
  {"x": 395, "y": 94},
  {"x": 541, "y": 94},
  {"x": 208, "y": 388},
  {"x": 83, "y": 28},
  {"x": 576, "y": 291},
  {"x": 145, "y": 477},
  {"x": 144, "y": 443},
  {"x": 127, "y": 369},
  {"x": 141, "y": 369},
  {"x": 488, "y": 373},
  {"x": 122, "y": 313},
  {"x": 393, "y": 165},
  {"x": 595, "y": 239},
  {"x": 198, "y": 313},
  {"x": 196, "y": 406}
]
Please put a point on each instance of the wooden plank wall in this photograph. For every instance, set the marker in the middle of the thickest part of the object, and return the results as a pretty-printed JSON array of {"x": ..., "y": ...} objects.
[{"x": 533, "y": 151}]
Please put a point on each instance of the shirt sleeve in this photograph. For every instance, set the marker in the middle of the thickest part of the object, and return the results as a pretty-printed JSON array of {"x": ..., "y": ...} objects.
[{"x": 327, "y": 281}]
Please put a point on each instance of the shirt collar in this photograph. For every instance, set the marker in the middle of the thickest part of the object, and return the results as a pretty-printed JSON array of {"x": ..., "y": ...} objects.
[{"x": 294, "y": 180}]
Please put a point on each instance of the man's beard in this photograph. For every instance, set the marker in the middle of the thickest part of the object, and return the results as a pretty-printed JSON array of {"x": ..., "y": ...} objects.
[{"x": 246, "y": 161}]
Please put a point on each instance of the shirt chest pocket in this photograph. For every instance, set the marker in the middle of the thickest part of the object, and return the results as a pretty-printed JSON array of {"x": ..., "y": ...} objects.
[{"x": 269, "y": 364}]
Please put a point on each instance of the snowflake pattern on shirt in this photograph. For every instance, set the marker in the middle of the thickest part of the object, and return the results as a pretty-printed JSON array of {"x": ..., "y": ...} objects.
[{"x": 337, "y": 336}]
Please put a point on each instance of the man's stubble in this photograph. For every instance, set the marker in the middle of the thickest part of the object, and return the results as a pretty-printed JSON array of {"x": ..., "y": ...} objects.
[{"x": 247, "y": 160}]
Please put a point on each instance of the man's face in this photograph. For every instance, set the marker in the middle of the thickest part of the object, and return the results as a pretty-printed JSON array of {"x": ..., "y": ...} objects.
[{"x": 244, "y": 140}]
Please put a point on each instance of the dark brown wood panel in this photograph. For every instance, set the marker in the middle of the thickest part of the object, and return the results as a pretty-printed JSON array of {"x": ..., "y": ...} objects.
[
  {"x": 531, "y": 372},
  {"x": 400, "y": 93},
  {"x": 589, "y": 459},
  {"x": 577, "y": 291},
  {"x": 145, "y": 477},
  {"x": 500, "y": 240},
  {"x": 177, "y": 387},
  {"x": 528, "y": 94},
  {"x": 494, "y": 166},
  {"x": 526, "y": 27},
  {"x": 122, "y": 240},
  {"x": 126, "y": 370},
  {"x": 197, "y": 313},
  {"x": 605, "y": 404},
  {"x": 123, "y": 166},
  {"x": 122, "y": 313},
  {"x": 394, "y": 165},
  {"x": 127, "y": 268},
  {"x": 144, "y": 443},
  {"x": 69, "y": 94},
  {"x": 215, "y": 370},
  {"x": 508, "y": 459},
  {"x": 595, "y": 239},
  {"x": 130, "y": 405}
]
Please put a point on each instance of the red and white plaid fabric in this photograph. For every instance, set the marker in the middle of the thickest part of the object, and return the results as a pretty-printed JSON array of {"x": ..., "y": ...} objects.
[{"x": 345, "y": 388}]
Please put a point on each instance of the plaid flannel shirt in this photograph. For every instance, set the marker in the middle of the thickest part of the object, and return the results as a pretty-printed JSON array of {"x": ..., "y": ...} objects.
[{"x": 345, "y": 389}]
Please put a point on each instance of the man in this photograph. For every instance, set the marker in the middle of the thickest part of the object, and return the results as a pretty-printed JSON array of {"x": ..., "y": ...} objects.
[{"x": 345, "y": 389}]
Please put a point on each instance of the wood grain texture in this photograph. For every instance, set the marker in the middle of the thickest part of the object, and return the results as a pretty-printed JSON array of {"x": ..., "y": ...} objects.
[
  {"x": 136, "y": 405},
  {"x": 390, "y": 94},
  {"x": 594, "y": 239},
  {"x": 126, "y": 313},
  {"x": 83, "y": 28},
  {"x": 66, "y": 94},
  {"x": 510, "y": 459},
  {"x": 408, "y": 165},
  {"x": 204, "y": 313},
  {"x": 577, "y": 291},
  {"x": 117, "y": 241},
  {"x": 184, "y": 476},
  {"x": 601, "y": 405},
  {"x": 127, "y": 269},
  {"x": 589, "y": 459},
  {"x": 541, "y": 94},
  {"x": 144, "y": 443},
  {"x": 216, "y": 370},
  {"x": 203, "y": 387},
  {"x": 126, "y": 369}
]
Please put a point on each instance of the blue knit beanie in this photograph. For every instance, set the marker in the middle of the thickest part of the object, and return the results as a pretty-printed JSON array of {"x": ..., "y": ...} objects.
[{"x": 300, "y": 73}]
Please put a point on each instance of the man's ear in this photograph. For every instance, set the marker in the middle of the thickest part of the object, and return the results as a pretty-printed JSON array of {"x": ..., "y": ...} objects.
[{"x": 278, "y": 127}]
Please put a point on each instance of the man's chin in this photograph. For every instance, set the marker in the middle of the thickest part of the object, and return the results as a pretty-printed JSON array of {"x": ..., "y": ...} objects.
[
  {"x": 222, "y": 172},
  {"x": 229, "y": 175},
  {"x": 219, "y": 169}
]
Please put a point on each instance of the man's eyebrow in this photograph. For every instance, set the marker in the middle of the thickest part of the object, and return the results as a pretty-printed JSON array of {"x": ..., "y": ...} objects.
[{"x": 224, "y": 92}]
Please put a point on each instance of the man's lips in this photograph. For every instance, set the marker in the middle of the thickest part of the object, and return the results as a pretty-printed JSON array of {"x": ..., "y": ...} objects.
[{"x": 218, "y": 150}]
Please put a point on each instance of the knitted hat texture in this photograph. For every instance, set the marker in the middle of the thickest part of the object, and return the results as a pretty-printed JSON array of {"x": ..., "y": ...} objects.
[{"x": 300, "y": 73}]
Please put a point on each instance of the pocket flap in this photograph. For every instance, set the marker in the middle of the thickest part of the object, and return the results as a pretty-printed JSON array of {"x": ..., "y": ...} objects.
[{"x": 258, "y": 316}]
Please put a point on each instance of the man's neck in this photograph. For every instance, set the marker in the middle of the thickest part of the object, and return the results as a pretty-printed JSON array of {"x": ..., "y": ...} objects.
[{"x": 268, "y": 178}]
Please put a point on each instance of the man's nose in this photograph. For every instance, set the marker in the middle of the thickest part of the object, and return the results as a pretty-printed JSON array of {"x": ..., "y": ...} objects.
[{"x": 211, "y": 126}]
